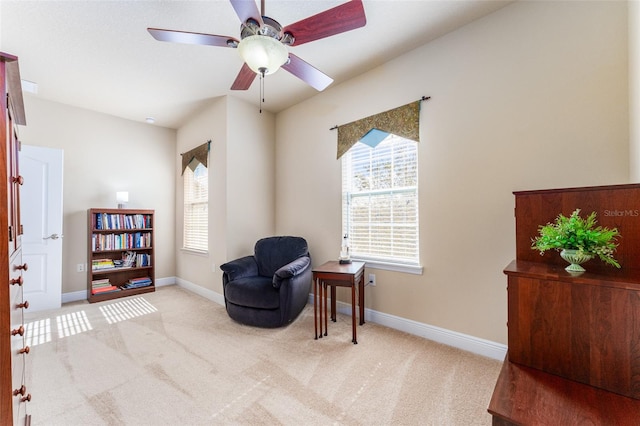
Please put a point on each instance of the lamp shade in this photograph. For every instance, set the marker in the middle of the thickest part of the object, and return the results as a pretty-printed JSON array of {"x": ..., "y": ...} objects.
[
  {"x": 263, "y": 53},
  {"x": 122, "y": 197}
]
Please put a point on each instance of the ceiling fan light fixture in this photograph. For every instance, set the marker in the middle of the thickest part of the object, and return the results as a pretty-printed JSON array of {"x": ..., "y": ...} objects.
[{"x": 263, "y": 53}]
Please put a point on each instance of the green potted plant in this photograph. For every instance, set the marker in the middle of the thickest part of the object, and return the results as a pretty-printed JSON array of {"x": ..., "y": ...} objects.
[{"x": 578, "y": 240}]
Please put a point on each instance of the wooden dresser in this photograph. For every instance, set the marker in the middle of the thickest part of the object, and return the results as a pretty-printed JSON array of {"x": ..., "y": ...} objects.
[
  {"x": 14, "y": 392},
  {"x": 573, "y": 339}
]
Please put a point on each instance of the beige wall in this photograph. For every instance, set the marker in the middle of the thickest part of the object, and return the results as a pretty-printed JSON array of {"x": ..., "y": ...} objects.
[
  {"x": 532, "y": 96},
  {"x": 250, "y": 177},
  {"x": 104, "y": 154},
  {"x": 241, "y": 186}
]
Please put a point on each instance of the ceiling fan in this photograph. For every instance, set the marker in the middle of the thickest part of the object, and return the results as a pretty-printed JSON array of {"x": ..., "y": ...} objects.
[{"x": 263, "y": 41}]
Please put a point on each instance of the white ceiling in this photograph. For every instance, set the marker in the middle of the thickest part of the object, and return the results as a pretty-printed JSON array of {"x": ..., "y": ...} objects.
[{"x": 97, "y": 54}]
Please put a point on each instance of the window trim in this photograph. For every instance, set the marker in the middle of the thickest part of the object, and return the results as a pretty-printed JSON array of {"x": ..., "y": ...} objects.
[
  {"x": 407, "y": 268},
  {"x": 194, "y": 251}
]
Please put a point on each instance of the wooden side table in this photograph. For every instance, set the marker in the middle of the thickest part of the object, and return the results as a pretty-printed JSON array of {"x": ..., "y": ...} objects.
[{"x": 333, "y": 274}]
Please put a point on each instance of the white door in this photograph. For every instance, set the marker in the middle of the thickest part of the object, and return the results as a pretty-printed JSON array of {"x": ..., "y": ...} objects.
[{"x": 41, "y": 214}]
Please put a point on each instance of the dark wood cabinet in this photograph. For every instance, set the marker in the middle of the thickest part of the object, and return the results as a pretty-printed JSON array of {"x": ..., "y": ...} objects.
[
  {"x": 573, "y": 339},
  {"x": 114, "y": 235},
  {"x": 584, "y": 328},
  {"x": 14, "y": 393}
]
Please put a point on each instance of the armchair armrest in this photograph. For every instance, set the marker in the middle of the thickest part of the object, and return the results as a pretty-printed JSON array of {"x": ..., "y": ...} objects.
[
  {"x": 292, "y": 269},
  {"x": 243, "y": 267}
]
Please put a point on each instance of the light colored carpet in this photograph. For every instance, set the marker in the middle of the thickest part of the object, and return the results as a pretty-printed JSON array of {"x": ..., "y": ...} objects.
[{"x": 175, "y": 358}]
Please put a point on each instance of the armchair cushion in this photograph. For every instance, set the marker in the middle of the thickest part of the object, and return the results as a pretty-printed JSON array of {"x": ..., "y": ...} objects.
[
  {"x": 243, "y": 267},
  {"x": 290, "y": 270},
  {"x": 273, "y": 252},
  {"x": 254, "y": 292}
]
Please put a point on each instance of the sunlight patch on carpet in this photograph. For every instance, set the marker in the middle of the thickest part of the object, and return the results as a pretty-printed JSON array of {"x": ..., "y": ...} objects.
[
  {"x": 73, "y": 323},
  {"x": 38, "y": 332},
  {"x": 127, "y": 309}
]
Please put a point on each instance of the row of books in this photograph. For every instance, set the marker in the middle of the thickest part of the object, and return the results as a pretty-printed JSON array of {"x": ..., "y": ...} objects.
[
  {"x": 122, "y": 221},
  {"x": 102, "y": 242},
  {"x": 129, "y": 260},
  {"x": 142, "y": 259},
  {"x": 103, "y": 286}
]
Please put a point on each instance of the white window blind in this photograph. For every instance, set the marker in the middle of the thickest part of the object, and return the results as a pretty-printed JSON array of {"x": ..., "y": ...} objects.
[
  {"x": 380, "y": 201},
  {"x": 196, "y": 208}
]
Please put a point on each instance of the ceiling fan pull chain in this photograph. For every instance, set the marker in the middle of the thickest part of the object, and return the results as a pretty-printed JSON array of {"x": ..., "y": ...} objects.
[{"x": 262, "y": 71}]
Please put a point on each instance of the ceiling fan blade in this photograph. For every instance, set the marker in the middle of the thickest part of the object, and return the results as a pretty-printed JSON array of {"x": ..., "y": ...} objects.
[
  {"x": 244, "y": 79},
  {"x": 339, "y": 19},
  {"x": 192, "y": 38},
  {"x": 246, "y": 9},
  {"x": 307, "y": 73}
]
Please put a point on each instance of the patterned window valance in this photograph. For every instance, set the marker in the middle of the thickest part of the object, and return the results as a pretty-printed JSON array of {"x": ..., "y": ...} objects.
[
  {"x": 196, "y": 156},
  {"x": 403, "y": 121}
]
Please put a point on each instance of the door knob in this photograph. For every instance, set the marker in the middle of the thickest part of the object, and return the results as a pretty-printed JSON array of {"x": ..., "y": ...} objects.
[{"x": 52, "y": 236}]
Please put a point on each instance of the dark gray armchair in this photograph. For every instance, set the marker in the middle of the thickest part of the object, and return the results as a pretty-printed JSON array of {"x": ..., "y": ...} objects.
[{"x": 270, "y": 288}]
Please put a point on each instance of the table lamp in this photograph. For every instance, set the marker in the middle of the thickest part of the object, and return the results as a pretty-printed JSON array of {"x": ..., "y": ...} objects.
[
  {"x": 122, "y": 197},
  {"x": 345, "y": 256}
]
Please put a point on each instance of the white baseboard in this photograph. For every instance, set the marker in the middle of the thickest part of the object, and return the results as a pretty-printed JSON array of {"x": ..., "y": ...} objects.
[
  {"x": 201, "y": 291},
  {"x": 462, "y": 341},
  {"x": 441, "y": 335},
  {"x": 75, "y": 296},
  {"x": 161, "y": 282}
]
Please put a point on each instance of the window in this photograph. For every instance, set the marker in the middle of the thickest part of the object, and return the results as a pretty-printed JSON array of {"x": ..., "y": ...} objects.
[
  {"x": 196, "y": 208},
  {"x": 380, "y": 201}
]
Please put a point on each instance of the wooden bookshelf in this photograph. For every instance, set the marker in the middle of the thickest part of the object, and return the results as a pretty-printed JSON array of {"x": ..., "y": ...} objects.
[{"x": 114, "y": 236}]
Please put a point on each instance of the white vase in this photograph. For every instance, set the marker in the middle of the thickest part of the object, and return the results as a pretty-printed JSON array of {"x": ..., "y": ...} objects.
[{"x": 575, "y": 259}]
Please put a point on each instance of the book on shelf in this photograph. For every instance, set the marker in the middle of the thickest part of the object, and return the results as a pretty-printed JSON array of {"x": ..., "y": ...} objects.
[
  {"x": 138, "y": 282},
  {"x": 128, "y": 259},
  {"x": 99, "y": 264},
  {"x": 103, "y": 290},
  {"x": 101, "y": 283},
  {"x": 143, "y": 259}
]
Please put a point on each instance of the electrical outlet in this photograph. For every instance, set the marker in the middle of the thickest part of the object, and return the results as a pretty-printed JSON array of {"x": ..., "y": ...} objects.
[
  {"x": 372, "y": 279},
  {"x": 80, "y": 267}
]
